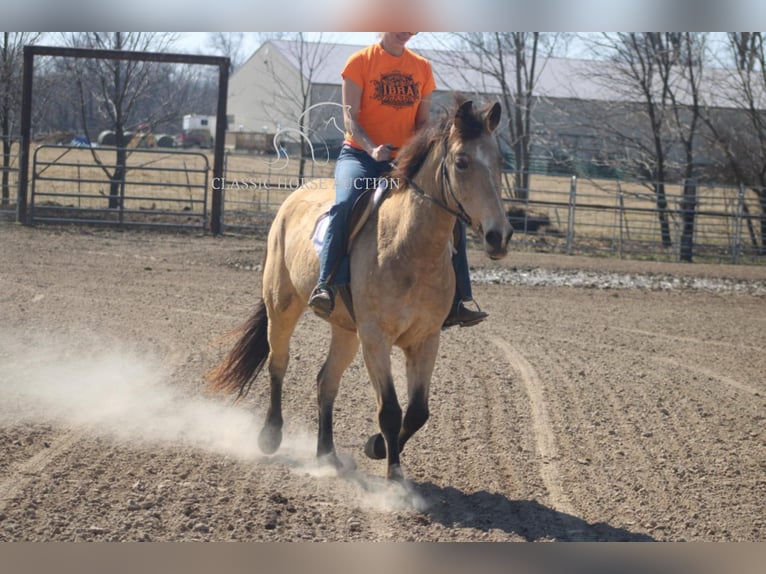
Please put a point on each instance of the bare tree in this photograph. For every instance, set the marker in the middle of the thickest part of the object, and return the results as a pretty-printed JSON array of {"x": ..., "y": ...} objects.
[
  {"x": 660, "y": 71},
  {"x": 741, "y": 136},
  {"x": 509, "y": 64},
  {"x": 230, "y": 45},
  {"x": 686, "y": 59},
  {"x": 117, "y": 87},
  {"x": 294, "y": 98},
  {"x": 11, "y": 69}
]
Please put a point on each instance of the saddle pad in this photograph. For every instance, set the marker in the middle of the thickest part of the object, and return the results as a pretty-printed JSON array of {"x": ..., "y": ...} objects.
[
  {"x": 323, "y": 221},
  {"x": 320, "y": 230}
]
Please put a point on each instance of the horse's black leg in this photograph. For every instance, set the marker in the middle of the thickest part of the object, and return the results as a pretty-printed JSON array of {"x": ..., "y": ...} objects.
[
  {"x": 420, "y": 365},
  {"x": 390, "y": 421},
  {"x": 415, "y": 417},
  {"x": 325, "y": 441},
  {"x": 282, "y": 322},
  {"x": 343, "y": 348},
  {"x": 270, "y": 436},
  {"x": 377, "y": 358}
]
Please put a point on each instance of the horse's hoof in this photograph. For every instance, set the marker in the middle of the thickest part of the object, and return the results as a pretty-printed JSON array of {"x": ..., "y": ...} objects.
[
  {"x": 330, "y": 459},
  {"x": 342, "y": 467},
  {"x": 395, "y": 473},
  {"x": 375, "y": 447},
  {"x": 348, "y": 466},
  {"x": 269, "y": 439}
]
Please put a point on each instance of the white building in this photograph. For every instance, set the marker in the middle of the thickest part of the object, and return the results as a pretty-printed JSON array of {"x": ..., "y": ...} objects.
[{"x": 573, "y": 99}]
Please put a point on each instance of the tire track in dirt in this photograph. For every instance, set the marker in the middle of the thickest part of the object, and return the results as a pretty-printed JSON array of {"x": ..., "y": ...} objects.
[
  {"x": 682, "y": 339},
  {"x": 475, "y": 432},
  {"x": 665, "y": 431},
  {"x": 618, "y": 398},
  {"x": 635, "y": 432},
  {"x": 545, "y": 439},
  {"x": 585, "y": 446},
  {"x": 506, "y": 414},
  {"x": 462, "y": 461},
  {"x": 22, "y": 473},
  {"x": 697, "y": 368},
  {"x": 733, "y": 383},
  {"x": 620, "y": 438}
]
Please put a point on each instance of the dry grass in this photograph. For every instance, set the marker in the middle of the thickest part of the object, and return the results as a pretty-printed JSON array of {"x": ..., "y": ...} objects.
[
  {"x": 179, "y": 182},
  {"x": 627, "y": 211},
  {"x": 80, "y": 177}
]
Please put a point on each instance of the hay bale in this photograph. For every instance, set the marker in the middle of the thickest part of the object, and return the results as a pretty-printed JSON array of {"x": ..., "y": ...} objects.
[
  {"x": 107, "y": 137},
  {"x": 165, "y": 140}
]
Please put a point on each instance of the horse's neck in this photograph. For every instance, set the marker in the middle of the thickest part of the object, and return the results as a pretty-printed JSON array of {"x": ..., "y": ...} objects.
[{"x": 420, "y": 224}]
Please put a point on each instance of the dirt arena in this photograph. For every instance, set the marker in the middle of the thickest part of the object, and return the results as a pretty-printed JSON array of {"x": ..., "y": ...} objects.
[{"x": 603, "y": 412}]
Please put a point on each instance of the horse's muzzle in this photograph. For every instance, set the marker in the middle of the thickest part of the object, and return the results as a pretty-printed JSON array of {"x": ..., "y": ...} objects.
[{"x": 495, "y": 244}]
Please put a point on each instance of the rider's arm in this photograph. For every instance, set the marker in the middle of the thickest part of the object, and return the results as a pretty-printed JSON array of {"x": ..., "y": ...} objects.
[
  {"x": 352, "y": 99},
  {"x": 424, "y": 112}
]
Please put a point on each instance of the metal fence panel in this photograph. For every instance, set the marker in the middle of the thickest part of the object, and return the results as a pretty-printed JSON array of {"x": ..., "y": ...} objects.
[
  {"x": 254, "y": 187},
  {"x": 624, "y": 219},
  {"x": 160, "y": 187},
  {"x": 605, "y": 217},
  {"x": 566, "y": 214}
]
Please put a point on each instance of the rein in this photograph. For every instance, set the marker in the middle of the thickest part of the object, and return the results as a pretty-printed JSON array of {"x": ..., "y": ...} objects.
[{"x": 460, "y": 213}]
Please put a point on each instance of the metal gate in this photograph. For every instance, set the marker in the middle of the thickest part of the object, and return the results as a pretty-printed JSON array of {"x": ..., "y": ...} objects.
[{"x": 157, "y": 187}]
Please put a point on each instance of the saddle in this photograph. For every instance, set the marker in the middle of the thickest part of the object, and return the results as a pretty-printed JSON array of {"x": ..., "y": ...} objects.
[{"x": 364, "y": 206}]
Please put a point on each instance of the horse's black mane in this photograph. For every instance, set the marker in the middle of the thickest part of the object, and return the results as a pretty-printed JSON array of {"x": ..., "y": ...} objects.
[{"x": 411, "y": 157}]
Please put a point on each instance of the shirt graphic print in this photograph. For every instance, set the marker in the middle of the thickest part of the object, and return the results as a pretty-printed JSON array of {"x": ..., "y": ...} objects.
[{"x": 396, "y": 89}]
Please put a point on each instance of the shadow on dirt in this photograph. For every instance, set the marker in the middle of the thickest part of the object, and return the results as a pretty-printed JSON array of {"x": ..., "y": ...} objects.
[
  {"x": 481, "y": 510},
  {"x": 527, "y": 518}
]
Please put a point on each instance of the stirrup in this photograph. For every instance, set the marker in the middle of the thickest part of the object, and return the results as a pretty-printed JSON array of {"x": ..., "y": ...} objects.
[
  {"x": 322, "y": 301},
  {"x": 464, "y": 317}
]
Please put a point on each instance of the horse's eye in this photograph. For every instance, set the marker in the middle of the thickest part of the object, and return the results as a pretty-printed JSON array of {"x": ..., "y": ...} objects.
[{"x": 461, "y": 162}]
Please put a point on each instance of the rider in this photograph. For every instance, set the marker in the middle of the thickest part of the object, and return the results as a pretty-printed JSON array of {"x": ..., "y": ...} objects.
[{"x": 386, "y": 95}]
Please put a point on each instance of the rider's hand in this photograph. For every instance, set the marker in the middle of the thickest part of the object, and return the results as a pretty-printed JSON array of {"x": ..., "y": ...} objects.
[{"x": 383, "y": 152}]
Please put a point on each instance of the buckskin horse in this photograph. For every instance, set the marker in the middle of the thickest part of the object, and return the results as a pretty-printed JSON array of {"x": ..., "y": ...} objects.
[{"x": 402, "y": 283}]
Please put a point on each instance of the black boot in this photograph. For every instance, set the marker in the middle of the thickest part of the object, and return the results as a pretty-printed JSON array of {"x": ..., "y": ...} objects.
[
  {"x": 461, "y": 315},
  {"x": 322, "y": 301}
]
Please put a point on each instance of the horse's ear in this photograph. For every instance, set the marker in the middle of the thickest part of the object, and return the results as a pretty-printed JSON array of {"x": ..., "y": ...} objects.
[
  {"x": 467, "y": 123},
  {"x": 492, "y": 117},
  {"x": 464, "y": 111}
]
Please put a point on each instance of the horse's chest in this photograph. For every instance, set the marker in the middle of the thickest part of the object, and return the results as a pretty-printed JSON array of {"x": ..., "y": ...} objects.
[
  {"x": 409, "y": 268},
  {"x": 394, "y": 267}
]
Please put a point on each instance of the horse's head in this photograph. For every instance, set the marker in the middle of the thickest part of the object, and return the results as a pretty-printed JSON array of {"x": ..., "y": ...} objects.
[{"x": 472, "y": 170}]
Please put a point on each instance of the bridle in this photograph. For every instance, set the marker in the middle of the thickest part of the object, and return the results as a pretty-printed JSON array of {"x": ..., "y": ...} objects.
[{"x": 446, "y": 186}]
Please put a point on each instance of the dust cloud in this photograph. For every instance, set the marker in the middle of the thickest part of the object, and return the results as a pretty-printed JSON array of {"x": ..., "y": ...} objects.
[
  {"x": 97, "y": 387},
  {"x": 104, "y": 388}
]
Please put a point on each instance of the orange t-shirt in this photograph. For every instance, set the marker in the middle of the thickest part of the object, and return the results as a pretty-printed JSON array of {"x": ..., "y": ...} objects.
[{"x": 392, "y": 88}]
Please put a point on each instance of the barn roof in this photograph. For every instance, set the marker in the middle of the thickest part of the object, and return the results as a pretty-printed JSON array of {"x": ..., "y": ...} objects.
[{"x": 559, "y": 78}]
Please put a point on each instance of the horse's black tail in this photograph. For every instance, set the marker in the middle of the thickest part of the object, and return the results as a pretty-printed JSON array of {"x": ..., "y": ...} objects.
[{"x": 246, "y": 358}]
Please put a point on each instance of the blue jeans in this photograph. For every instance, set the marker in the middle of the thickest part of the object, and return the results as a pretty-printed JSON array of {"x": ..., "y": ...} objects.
[
  {"x": 352, "y": 168},
  {"x": 460, "y": 263}
]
